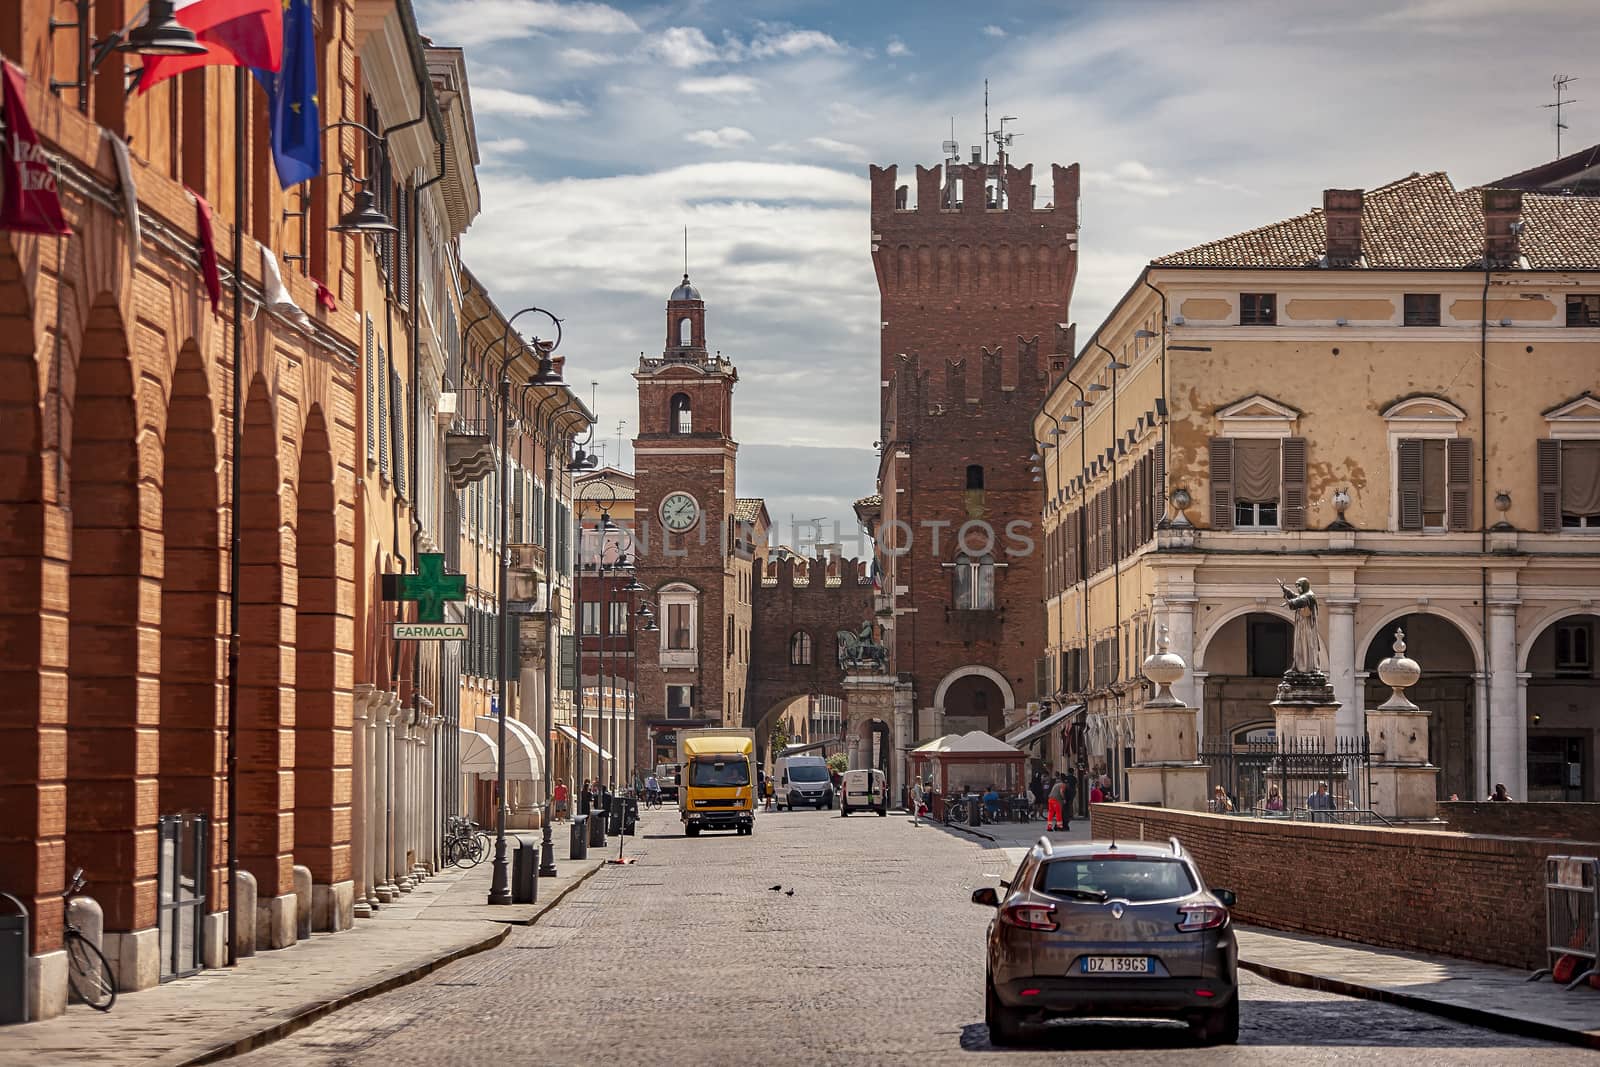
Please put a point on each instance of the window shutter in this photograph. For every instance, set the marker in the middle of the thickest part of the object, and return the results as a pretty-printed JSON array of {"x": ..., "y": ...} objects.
[
  {"x": 403, "y": 239},
  {"x": 1409, "y": 454},
  {"x": 1458, "y": 482},
  {"x": 1549, "y": 486},
  {"x": 1158, "y": 487},
  {"x": 383, "y": 413},
  {"x": 397, "y": 411},
  {"x": 367, "y": 357},
  {"x": 1293, "y": 513},
  {"x": 1221, "y": 483},
  {"x": 517, "y": 515}
]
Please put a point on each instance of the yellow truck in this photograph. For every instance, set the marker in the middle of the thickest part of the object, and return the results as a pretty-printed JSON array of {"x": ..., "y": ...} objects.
[{"x": 716, "y": 787}]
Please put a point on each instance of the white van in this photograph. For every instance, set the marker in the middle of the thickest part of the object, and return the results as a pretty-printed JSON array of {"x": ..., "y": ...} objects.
[
  {"x": 866, "y": 790},
  {"x": 802, "y": 780}
]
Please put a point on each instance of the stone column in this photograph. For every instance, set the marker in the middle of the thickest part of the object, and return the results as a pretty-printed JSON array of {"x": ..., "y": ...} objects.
[
  {"x": 405, "y": 760},
  {"x": 383, "y": 801},
  {"x": 360, "y": 869},
  {"x": 374, "y": 793},
  {"x": 1508, "y": 736},
  {"x": 1342, "y": 665}
]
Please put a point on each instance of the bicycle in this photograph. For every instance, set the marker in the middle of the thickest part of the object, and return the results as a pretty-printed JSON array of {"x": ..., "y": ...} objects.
[
  {"x": 652, "y": 798},
  {"x": 465, "y": 845},
  {"x": 88, "y": 971}
]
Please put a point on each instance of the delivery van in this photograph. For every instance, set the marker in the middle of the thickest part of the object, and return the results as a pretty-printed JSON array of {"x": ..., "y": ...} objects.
[
  {"x": 865, "y": 790},
  {"x": 798, "y": 780}
]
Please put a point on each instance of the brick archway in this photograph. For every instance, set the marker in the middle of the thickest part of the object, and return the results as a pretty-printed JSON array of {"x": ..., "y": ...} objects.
[
  {"x": 322, "y": 709},
  {"x": 192, "y": 606},
  {"x": 265, "y": 818},
  {"x": 30, "y": 747},
  {"x": 112, "y": 640}
]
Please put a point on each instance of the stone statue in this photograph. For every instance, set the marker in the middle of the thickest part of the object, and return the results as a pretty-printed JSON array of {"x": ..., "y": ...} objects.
[
  {"x": 859, "y": 649},
  {"x": 1307, "y": 658}
]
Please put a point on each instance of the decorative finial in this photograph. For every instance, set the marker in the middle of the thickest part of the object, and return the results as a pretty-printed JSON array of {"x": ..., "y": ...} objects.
[
  {"x": 1163, "y": 668},
  {"x": 1399, "y": 672}
]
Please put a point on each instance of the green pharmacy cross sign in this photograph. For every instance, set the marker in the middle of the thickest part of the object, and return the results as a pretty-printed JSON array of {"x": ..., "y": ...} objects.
[{"x": 429, "y": 588}]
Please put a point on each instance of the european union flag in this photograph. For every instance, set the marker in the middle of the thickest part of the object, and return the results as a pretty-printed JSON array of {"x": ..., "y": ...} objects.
[{"x": 292, "y": 104}]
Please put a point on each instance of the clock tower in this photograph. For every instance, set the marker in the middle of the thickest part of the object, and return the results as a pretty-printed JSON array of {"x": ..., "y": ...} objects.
[{"x": 693, "y": 671}]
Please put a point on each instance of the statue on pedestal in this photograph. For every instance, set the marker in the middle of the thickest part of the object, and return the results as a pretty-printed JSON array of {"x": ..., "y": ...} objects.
[
  {"x": 1307, "y": 670},
  {"x": 859, "y": 649}
]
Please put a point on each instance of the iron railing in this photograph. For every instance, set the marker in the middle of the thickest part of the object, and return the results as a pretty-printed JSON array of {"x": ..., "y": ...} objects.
[
  {"x": 1296, "y": 766},
  {"x": 181, "y": 893}
]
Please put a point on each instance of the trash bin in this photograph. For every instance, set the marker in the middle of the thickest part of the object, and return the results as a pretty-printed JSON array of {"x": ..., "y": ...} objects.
[
  {"x": 14, "y": 963},
  {"x": 975, "y": 812},
  {"x": 525, "y": 873},
  {"x": 630, "y": 816},
  {"x": 597, "y": 830},
  {"x": 614, "y": 817},
  {"x": 578, "y": 846}
]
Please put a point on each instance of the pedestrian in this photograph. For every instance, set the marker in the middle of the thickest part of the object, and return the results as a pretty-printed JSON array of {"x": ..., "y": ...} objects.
[
  {"x": 1070, "y": 780},
  {"x": 1500, "y": 796},
  {"x": 1056, "y": 814},
  {"x": 560, "y": 798},
  {"x": 1320, "y": 804},
  {"x": 1096, "y": 794},
  {"x": 1220, "y": 804},
  {"x": 1037, "y": 790},
  {"x": 586, "y": 798},
  {"x": 1274, "y": 799},
  {"x": 769, "y": 793}
]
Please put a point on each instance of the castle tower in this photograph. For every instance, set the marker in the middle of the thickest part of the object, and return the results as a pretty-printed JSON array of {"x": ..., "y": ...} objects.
[
  {"x": 975, "y": 285},
  {"x": 693, "y": 672}
]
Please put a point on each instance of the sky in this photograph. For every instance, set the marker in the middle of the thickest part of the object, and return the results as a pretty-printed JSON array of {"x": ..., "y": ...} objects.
[{"x": 605, "y": 129}]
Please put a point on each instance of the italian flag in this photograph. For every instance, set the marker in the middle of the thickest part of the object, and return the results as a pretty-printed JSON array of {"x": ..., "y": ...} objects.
[{"x": 236, "y": 33}]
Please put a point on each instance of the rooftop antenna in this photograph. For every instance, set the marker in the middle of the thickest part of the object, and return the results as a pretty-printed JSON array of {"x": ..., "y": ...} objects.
[
  {"x": 1560, "y": 83},
  {"x": 594, "y": 395},
  {"x": 686, "y": 251},
  {"x": 952, "y": 147},
  {"x": 986, "y": 121},
  {"x": 1002, "y": 144},
  {"x": 620, "y": 424}
]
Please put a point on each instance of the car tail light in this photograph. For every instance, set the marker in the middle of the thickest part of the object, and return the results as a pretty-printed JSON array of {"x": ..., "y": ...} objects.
[
  {"x": 1202, "y": 916},
  {"x": 1029, "y": 916}
]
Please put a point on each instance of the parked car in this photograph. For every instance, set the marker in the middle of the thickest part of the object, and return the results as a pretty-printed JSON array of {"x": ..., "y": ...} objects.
[
  {"x": 864, "y": 790},
  {"x": 1110, "y": 929}
]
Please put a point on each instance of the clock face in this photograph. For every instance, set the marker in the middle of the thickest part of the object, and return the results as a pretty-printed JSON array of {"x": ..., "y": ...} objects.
[{"x": 679, "y": 512}]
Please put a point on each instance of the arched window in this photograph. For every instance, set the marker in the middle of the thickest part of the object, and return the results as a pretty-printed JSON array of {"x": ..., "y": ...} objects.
[
  {"x": 800, "y": 649},
  {"x": 973, "y": 583},
  {"x": 682, "y": 420},
  {"x": 685, "y": 332},
  {"x": 974, "y": 476}
]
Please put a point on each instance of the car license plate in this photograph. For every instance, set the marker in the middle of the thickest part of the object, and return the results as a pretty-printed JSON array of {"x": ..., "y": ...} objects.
[{"x": 1115, "y": 964}]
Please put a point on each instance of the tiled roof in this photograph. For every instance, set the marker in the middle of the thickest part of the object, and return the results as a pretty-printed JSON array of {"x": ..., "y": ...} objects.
[
  {"x": 748, "y": 508},
  {"x": 1421, "y": 221},
  {"x": 605, "y": 489},
  {"x": 873, "y": 501}
]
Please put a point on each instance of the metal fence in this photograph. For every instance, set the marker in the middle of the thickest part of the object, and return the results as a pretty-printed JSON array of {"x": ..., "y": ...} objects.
[
  {"x": 1281, "y": 778},
  {"x": 1572, "y": 919}
]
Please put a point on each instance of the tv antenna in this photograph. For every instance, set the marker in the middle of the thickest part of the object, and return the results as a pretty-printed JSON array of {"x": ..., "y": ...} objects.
[
  {"x": 620, "y": 424},
  {"x": 1002, "y": 145},
  {"x": 1560, "y": 83}
]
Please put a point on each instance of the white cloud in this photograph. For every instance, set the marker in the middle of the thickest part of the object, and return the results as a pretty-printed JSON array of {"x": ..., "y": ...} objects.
[
  {"x": 722, "y": 85},
  {"x": 491, "y": 101},
  {"x": 794, "y": 43},
  {"x": 1129, "y": 176},
  {"x": 582, "y": 58},
  {"x": 896, "y": 47},
  {"x": 992, "y": 30},
  {"x": 473, "y": 22},
  {"x": 844, "y": 149},
  {"x": 501, "y": 147},
  {"x": 683, "y": 47},
  {"x": 726, "y": 137}
]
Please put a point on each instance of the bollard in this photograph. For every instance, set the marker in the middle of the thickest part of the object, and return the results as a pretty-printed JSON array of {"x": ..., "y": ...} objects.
[
  {"x": 578, "y": 843},
  {"x": 302, "y": 902},
  {"x": 525, "y": 873}
]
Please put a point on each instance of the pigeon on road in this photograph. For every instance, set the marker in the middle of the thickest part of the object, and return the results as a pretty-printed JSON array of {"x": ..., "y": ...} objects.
[
  {"x": 789, "y": 893},
  {"x": 774, "y": 888}
]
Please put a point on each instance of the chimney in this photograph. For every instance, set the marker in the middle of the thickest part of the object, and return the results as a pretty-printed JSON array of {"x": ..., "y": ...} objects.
[
  {"x": 1341, "y": 212},
  {"x": 1502, "y": 214}
]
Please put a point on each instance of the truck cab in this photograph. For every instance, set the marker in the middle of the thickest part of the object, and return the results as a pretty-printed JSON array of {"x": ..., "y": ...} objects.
[{"x": 716, "y": 788}]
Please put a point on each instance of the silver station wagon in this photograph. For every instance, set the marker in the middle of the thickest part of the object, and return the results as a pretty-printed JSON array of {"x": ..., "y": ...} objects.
[{"x": 1110, "y": 930}]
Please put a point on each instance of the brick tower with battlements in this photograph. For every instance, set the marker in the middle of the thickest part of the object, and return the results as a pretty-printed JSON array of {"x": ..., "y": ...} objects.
[{"x": 975, "y": 284}]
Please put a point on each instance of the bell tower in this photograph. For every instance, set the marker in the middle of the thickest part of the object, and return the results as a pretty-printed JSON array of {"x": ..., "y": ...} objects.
[{"x": 686, "y": 323}]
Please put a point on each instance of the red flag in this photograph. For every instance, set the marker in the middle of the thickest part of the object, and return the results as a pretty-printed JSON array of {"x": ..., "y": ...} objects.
[
  {"x": 325, "y": 297},
  {"x": 236, "y": 33},
  {"x": 29, "y": 202},
  {"x": 208, "y": 251}
]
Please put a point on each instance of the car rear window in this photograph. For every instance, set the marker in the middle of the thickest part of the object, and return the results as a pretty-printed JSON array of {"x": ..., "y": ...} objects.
[{"x": 1130, "y": 878}]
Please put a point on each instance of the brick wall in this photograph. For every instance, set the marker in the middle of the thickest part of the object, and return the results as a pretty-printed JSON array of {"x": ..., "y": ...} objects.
[
  {"x": 814, "y": 606},
  {"x": 1568, "y": 822},
  {"x": 1477, "y": 898}
]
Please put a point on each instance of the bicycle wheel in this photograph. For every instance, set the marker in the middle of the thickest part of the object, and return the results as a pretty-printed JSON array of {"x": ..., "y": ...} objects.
[
  {"x": 89, "y": 973},
  {"x": 482, "y": 846}
]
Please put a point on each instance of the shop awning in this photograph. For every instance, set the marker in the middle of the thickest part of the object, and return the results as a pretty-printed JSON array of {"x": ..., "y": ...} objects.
[
  {"x": 1040, "y": 728},
  {"x": 588, "y": 742},
  {"x": 478, "y": 754},
  {"x": 524, "y": 753}
]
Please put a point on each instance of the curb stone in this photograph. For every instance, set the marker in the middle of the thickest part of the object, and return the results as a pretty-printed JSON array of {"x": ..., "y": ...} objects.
[
  {"x": 320, "y": 1009},
  {"x": 1489, "y": 1020}
]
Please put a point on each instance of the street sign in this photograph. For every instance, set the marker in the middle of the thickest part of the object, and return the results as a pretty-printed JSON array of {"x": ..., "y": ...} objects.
[
  {"x": 428, "y": 631},
  {"x": 567, "y": 666},
  {"x": 430, "y": 587}
]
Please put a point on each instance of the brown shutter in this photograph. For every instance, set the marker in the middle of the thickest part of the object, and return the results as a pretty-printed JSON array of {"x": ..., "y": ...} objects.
[
  {"x": 1293, "y": 516},
  {"x": 1458, "y": 481},
  {"x": 1410, "y": 462},
  {"x": 1158, "y": 487},
  {"x": 1549, "y": 486},
  {"x": 1221, "y": 483}
]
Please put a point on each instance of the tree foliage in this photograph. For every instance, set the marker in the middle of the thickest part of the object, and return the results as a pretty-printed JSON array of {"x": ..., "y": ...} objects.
[{"x": 839, "y": 762}]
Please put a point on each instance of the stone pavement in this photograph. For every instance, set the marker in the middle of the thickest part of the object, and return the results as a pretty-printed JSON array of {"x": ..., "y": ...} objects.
[
  {"x": 218, "y": 1013},
  {"x": 1479, "y": 993}
]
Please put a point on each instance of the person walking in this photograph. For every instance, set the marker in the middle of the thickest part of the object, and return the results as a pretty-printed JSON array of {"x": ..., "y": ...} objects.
[
  {"x": 770, "y": 794},
  {"x": 1038, "y": 792},
  {"x": 559, "y": 797},
  {"x": 1096, "y": 794},
  {"x": 1070, "y": 780},
  {"x": 586, "y": 798},
  {"x": 1056, "y": 816},
  {"x": 1320, "y": 804},
  {"x": 917, "y": 797}
]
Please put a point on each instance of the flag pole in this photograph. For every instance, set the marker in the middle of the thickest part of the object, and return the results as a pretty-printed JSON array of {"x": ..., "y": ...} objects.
[{"x": 240, "y": 98}]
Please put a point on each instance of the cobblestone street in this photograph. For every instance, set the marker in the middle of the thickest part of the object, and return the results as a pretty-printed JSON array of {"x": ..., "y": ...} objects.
[{"x": 687, "y": 957}]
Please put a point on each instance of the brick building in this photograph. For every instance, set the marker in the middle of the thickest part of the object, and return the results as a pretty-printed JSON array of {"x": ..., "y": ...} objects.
[{"x": 975, "y": 282}]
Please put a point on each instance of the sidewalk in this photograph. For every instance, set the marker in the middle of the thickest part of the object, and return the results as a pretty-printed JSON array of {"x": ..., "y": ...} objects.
[
  {"x": 220, "y": 1013},
  {"x": 1497, "y": 998}
]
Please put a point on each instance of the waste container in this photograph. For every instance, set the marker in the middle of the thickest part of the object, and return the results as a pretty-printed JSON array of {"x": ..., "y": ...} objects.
[
  {"x": 630, "y": 816},
  {"x": 525, "y": 873},
  {"x": 578, "y": 846},
  {"x": 975, "y": 812},
  {"x": 614, "y": 817},
  {"x": 14, "y": 963},
  {"x": 597, "y": 829}
]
